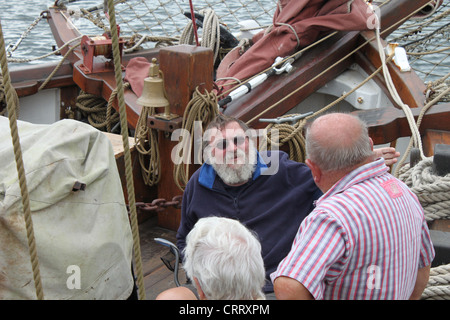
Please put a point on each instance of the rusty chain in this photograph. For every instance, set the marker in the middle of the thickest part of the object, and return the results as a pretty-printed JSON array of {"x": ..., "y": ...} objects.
[{"x": 159, "y": 205}]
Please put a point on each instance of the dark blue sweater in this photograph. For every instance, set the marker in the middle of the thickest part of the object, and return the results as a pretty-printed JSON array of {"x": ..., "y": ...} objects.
[{"x": 273, "y": 206}]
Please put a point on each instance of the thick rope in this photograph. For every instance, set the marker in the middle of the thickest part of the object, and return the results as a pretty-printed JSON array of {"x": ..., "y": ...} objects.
[
  {"x": 98, "y": 112},
  {"x": 21, "y": 170},
  {"x": 287, "y": 133},
  {"x": 438, "y": 286},
  {"x": 3, "y": 104},
  {"x": 127, "y": 154},
  {"x": 432, "y": 190},
  {"x": 393, "y": 91}
]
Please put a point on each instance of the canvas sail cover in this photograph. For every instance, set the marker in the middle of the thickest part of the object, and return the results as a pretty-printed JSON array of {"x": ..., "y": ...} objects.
[
  {"x": 296, "y": 24},
  {"x": 83, "y": 238}
]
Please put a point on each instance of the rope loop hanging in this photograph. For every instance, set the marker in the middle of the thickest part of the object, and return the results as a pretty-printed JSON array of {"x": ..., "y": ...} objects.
[
  {"x": 147, "y": 147},
  {"x": 202, "y": 108},
  {"x": 290, "y": 134}
]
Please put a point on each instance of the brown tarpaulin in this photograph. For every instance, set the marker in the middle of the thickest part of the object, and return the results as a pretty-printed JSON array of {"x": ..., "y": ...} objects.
[{"x": 309, "y": 19}]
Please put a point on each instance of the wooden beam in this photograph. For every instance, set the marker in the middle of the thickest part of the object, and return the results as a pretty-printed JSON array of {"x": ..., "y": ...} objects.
[
  {"x": 64, "y": 31},
  {"x": 185, "y": 68},
  {"x": 26, "y": 81}
]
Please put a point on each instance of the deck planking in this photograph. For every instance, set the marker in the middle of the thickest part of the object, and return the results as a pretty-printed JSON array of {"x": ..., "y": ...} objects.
[{"x": 157, "y": 277}]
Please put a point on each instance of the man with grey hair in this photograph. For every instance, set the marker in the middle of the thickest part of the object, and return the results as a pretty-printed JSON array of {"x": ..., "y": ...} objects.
[
  {"x": 367, "y": 237},
  {"x": 224, "y": 260}
]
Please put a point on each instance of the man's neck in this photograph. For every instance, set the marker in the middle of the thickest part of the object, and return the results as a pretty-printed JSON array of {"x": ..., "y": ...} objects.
[{"x": 331, "y": 178}]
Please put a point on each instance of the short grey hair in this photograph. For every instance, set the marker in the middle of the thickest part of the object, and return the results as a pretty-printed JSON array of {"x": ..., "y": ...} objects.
[
  {"x": 219, "y": 123},
  {"x": 225, "y": 257},
  {"x": 335, "y": 157}
]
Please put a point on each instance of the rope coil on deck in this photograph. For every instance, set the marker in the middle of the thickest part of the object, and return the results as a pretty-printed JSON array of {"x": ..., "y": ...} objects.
[
  {"x": 99, "y": 113},
  {"x": 438, "y": 287},
  {"x": 432, "y": 190}
]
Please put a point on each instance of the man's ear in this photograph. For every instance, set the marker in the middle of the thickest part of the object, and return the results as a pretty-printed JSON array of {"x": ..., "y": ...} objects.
[
  {"x": 315, "y": 170},
  {"x": 200, "y": 292},
  {"x": 371, "y": 143}
]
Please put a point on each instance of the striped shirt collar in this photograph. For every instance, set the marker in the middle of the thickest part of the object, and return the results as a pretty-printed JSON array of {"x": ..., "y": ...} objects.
[{"x": 367, "y": 171}]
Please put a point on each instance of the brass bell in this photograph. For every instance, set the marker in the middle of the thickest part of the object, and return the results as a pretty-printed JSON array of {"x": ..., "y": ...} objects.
[{"x": 153, "y": 94}]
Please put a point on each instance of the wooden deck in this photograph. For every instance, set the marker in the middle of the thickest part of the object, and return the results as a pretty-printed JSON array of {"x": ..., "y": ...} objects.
[{"x": 157, "y": 277}]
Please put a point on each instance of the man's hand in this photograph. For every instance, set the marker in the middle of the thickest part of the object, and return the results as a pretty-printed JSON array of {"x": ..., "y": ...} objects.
[{"x": 389, "y": 154}]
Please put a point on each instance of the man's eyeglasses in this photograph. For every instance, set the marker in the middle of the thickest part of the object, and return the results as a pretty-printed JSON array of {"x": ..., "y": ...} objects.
[{"x": 237, "y": 141}]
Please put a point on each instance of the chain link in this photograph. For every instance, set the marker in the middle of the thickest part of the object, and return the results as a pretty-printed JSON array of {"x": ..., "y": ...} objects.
[{"x": 159, "y": 205}]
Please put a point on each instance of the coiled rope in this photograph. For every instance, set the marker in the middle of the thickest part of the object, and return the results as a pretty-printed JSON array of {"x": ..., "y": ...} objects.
[
  {"x": 432, "y": 190},
  {"x": 292, "y": 134},
  {"x": 204, "y": 108},
  {"x": 151, "y": 172},
  {"x": 438, "y": 287},
  {"x": 99, "y": 113},
  {"x": 210, "y": 34}
]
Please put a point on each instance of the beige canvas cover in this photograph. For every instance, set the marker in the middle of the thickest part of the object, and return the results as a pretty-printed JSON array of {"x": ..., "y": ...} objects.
[{"x": 83, "y": 238}]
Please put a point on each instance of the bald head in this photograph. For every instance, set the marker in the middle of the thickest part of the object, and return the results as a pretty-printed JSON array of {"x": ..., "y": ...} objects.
[{"x": 338, "y": 141}]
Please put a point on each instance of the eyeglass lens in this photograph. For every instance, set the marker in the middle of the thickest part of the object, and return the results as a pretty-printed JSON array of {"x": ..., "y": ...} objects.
[{"x": 237, "y": 141}]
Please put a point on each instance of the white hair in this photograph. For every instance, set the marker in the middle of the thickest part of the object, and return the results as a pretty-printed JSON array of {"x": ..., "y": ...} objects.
[{"x": 225, "y": 257}]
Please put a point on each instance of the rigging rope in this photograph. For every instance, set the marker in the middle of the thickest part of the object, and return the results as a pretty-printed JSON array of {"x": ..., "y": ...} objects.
[
  {"x": 127, "y": 154},
  {"x": 20, "y": 170},
  {"x": 289, "y": 132}
]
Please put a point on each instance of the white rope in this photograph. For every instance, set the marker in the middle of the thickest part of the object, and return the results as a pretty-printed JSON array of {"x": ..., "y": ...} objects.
[
  {"x": 438, "y": 287},
  {"x": 415, "y": 135},
  {"x": 432, "y": 190}
]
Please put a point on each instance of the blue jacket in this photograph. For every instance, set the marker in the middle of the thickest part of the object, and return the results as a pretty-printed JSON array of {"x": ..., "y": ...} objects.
[{"x": 273, "y": 206}]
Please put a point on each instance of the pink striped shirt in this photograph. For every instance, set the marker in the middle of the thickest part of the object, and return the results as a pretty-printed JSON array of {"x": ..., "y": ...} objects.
[{"x": 365, "y": 239}]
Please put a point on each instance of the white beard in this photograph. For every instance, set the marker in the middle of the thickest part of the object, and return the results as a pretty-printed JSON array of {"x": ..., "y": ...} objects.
[{"x": 242, "y": 170}]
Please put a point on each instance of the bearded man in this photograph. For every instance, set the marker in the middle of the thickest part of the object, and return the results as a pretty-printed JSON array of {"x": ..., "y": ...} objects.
[{"x": 236, "y": 182}]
